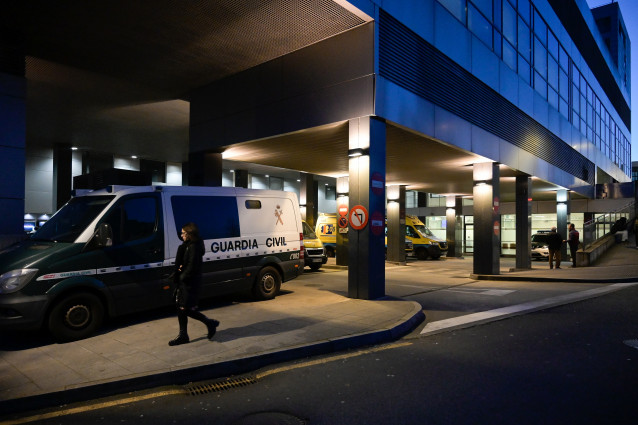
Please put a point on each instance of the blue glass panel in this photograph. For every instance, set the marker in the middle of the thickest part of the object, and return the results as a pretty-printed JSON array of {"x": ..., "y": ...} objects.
[
  {"x": 564, "y": 84},
  {"x": 540, "y": 58},
  {"x": 540, "y": 85},
  {"x": 563, "y": 59},
  {"x": 456, "y": 8},
  {"x": 509, "y": 23},
  {"x": 479, "y": 26},
  {"x": 524, "y": 69},
  {"x": 485, "y": 6},
  {"x": 524, "y": 37},
  {"x": 552, "y": 97},
  {"x": 509, "y": 55},
  {"x": 524, "y": 10},
  {"x": 540, "y": 28},
  {"x": 552, "y": 45}
]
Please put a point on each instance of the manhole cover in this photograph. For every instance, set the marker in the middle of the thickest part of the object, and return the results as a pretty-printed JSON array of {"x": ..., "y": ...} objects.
[{"x": 271, "y": 418}]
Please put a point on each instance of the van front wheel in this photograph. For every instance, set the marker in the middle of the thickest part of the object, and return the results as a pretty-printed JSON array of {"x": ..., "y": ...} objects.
[
  {"x": 422, "y": 254},
  {"x": 267, "y": 284},
  {"x": 75, "y": 316}
]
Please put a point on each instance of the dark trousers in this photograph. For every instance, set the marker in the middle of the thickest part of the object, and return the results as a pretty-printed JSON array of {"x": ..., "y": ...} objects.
[
  {"x": 572, "y": 251},
  {"x": 183, "y": 315},
  {"x": 554, "y": 254}
]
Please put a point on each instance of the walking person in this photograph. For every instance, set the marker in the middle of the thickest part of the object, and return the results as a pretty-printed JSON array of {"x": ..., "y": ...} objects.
[
  {"x": 554, "y": 244},
  {"x": 188, "y": 279},
  {"x": 573, "y": 240}
]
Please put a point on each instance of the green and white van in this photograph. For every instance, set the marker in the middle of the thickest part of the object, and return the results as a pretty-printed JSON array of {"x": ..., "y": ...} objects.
[{"x": 110, "y": 252}]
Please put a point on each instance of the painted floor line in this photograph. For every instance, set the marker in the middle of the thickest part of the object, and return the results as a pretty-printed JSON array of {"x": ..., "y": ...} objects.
[{"x": 499, "y": 313}]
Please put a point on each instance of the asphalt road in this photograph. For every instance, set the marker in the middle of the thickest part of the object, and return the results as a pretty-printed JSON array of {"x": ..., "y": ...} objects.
[{"x": 574, "y": 364}]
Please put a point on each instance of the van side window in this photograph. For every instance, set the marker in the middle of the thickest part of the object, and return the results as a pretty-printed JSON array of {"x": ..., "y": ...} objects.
[
  {"x": 132, "y": 219},
  {"x": 216, "y": 216},
  {"x": 253, "y": 204}
]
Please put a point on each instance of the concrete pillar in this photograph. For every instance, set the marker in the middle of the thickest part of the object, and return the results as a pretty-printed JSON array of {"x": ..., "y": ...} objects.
[
  {"x": 523, "y": 222},
  {"x": 205, "y": 168},
  {"x": 241, "y": 178},
  {"x": 309, "y": 198},
  {"x": 487, "y": 219},
  {"x": 366, "y": 271},
  {"x": 12, "y": 154},
  {"x": 396, "y": 224},
  {"x": 62, "y": 174},
  {"x": 562, "y": 219},
  {"x": 341, "y": 236},
  {"x": 454, "y": 225}
]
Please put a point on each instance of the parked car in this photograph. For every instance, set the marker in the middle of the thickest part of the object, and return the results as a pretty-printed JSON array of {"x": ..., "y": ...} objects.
[{"x": 540, "y": 249}]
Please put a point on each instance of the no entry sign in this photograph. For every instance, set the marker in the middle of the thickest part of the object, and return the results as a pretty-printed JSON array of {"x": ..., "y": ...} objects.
[{"x": 377, "y": 223}]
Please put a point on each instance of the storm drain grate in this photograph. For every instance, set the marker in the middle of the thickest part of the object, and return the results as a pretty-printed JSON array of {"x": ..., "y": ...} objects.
[{"x": 220, "y": 385}]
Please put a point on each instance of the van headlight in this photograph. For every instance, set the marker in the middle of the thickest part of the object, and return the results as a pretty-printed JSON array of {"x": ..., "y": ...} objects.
[{"x": 15, "y": 280}]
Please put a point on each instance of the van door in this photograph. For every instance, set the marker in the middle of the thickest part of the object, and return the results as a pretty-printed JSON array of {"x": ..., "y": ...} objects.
[{"x": 133, "y": 267}]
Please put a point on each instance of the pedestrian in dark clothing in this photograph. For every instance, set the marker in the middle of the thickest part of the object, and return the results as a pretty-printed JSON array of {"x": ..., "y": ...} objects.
[
  {"x": 554, "y": 244},
  {"x": 188, "y": 279},
  {"x": 573, "y": 240}
]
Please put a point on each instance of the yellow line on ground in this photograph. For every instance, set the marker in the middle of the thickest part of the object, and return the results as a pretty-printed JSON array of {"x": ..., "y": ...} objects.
[
  {"x": 89, "y": 408},
  {"x": 269, "y": 372}
]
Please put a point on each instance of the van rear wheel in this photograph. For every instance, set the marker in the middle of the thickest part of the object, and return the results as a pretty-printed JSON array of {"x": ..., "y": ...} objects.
[
  {"x": 267, "y": 284},
  {"x": 76, "y": 316}
]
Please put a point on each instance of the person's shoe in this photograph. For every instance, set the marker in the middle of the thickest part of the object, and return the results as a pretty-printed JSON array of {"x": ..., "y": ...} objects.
[
  {"x": 557, "y": 267},
  {"x": 212, "y": 327},
  {"x": 182, "y": 338}
]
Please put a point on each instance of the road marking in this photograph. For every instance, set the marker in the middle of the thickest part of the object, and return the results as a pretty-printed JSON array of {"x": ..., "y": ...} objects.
[
  {"x": 96, "y": 406},
  {"x": 501, "y": 313},
  {"x": 491, "y": 292},
  {"x": 269, "y": 372}
]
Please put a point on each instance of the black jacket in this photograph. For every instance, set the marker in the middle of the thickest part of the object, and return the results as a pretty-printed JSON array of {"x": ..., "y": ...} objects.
[
  {"x": 188, "y": 272},
  {"x": 554, "y": 240}
]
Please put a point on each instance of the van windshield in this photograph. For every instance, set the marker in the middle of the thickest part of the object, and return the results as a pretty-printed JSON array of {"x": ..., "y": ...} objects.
[
  {"x": 71, "y": 220},
  {"x": 423, "y": 230},
  {"x": 308, "y": 233}
]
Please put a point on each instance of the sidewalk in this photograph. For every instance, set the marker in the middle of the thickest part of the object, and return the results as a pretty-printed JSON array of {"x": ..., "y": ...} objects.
[
  {"x": 618, "y": 264},
  {"x": 303, "y": 321},
  {"x": 136, "y": 356}
]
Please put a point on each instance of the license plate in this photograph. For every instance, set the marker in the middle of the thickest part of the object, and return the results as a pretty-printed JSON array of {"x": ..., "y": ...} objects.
[{"x": 316, "y": 260}]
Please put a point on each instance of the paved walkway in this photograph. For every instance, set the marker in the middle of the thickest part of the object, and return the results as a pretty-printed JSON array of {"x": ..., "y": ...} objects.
[{"x": 302, "y": 321}]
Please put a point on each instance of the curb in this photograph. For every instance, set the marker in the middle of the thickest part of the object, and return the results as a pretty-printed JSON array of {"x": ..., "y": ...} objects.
[
  {"x": 201, "y": 372},
  {"x": 551, "y": 279}
]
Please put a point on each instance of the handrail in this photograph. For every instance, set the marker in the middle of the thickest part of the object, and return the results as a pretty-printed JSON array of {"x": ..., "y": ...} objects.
[{"x": 601, "y": 226}]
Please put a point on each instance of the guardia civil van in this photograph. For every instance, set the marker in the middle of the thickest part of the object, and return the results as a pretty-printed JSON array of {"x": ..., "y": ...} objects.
[{"x": 110, "y": 252}]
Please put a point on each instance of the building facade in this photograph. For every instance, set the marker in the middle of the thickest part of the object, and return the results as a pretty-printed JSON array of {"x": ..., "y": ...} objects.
[{"x": 504, "y": 102}]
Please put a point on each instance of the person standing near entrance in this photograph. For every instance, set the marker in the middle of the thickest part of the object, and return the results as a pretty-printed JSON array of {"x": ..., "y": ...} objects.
[
  {"x": 188, "y": 279},
  {"x": 554, "y": 243},
  {"x": 573, "y": 240}
]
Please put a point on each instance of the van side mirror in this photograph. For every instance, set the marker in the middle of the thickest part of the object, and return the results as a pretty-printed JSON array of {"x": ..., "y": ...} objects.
[{"x": 103, "y": 237}]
